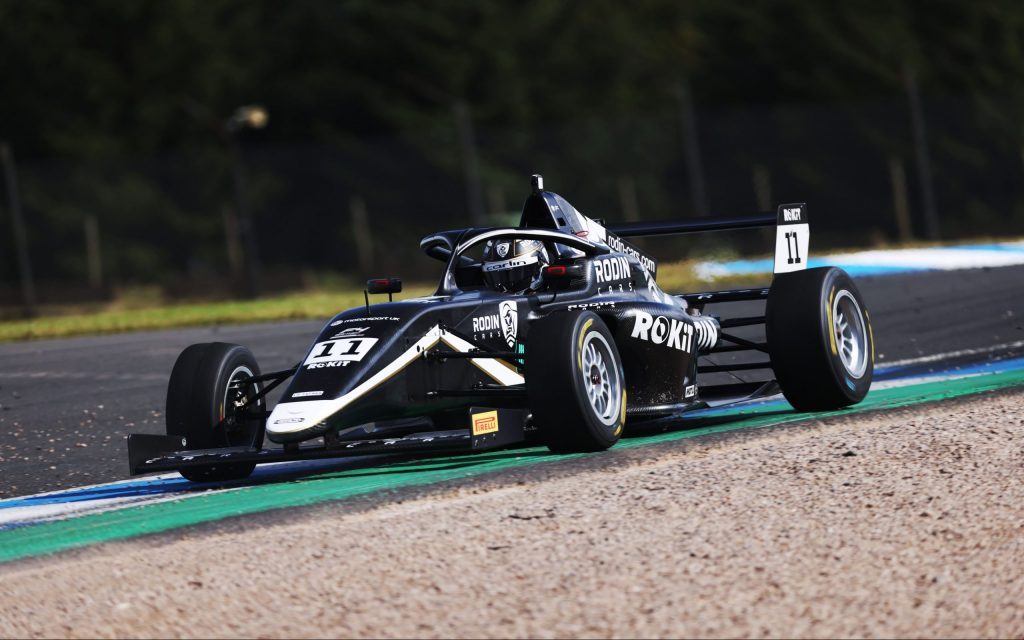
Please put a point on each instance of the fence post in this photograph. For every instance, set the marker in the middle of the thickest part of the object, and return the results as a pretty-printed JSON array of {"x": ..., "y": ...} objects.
[
  {"x": 627, "y": 199},
  {"x": 93, "y": 258},
  {"x": 470, "y": 162},
  {"x": 763, "y": 188},
  {"x": 246, "y": 228},
  {"x": 496, "y": 202},
  {"x": 691, "y": 146},
  {"x": 28, "y": 287},
  {"x": 362, "y": 234},
  {"x": 900, "y": 199},
  {"x": 232, "y": 242},
  {"x": 924, "y": 167}
]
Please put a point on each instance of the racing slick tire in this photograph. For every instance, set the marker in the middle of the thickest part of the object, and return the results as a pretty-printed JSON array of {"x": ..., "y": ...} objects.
[
  {"x": 207, "y": 384},
  {"x": 819, "y": 339},
  {"x": 575, "y": 382}
]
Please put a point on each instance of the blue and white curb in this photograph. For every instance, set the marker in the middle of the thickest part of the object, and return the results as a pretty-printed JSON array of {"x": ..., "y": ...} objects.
[
  {"x": 69, "y": 503},
  {"x": 887, "y": 261}
]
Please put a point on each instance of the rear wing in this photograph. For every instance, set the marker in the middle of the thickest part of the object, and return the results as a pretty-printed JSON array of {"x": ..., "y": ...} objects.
[
  {"x": 792, "y": 237},
  {"x": 546, "y": 209}
]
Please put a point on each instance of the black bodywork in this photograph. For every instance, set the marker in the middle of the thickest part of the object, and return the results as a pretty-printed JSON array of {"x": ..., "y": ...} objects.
[{"x": 417, "y": 375}]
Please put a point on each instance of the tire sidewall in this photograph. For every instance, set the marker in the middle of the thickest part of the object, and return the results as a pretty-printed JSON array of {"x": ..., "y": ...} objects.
[
  {"x": 196, "y": 403},
  {"x": 237, "y": 357},
  {"x": 853, "y": 388},
  {"x": 586, "y": 323}
]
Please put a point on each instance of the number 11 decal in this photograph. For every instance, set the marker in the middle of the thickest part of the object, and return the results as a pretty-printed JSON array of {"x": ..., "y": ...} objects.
[{"x": 793, "y": 247}]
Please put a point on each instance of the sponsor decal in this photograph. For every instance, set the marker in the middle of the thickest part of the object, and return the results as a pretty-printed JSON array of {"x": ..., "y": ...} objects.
[
  {"x": 791, "y": 215},
  {"x": 289, "y": 420},
  {"x": 350, "y": 332},
  {"x": 338, "y": 353},
  {"x": 619, "y": 245},
  {"x": 508, "y": 312},
  {"x": 707, "y": 332},
  {"x": 670, "y": 332},
  {"x": 502, "y": 249},
  {"x": 503, "y": 324},
  {"x": 367, "y": 319},
  {"x": 583, "y": 306},
  {"x": 486, "y": 323},
  {"x": 306, "y": 394},
  {"x": 612, "y": 288},
  {"x": 612, "y": 269},
  {"x": 486, "y": 422},
  {"x": 690, "y": 391},
  {"x": 509, "y": 264}
]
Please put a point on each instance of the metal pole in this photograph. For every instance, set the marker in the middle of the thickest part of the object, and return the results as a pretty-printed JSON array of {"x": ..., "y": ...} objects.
[
  {"x": 93, "y": 257},
  {"x": 245, "y": 225},
  {"x": 924, "y": 167},
  {"x": 900, "y": 200},
  {"x": 232, "y": 240},
  {"x": 691, "y": 145},
  {"x": 28, "y": 289},
  {"x": 361, "y": 233},
  {"x": 627, "y": 199},
  {"x": 763, "y": 188},
  {"x": 470, "y": 163}
]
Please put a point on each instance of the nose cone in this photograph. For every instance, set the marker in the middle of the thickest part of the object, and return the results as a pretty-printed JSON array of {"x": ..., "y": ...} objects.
[{"x": 289, "y": 418}]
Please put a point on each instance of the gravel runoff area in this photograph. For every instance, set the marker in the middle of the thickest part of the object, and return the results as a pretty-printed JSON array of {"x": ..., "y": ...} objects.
[{"x": 905, "y": 524}]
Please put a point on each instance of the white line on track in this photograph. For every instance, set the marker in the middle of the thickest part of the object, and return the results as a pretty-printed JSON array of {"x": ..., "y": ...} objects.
[{"x": 952, "y": 354}]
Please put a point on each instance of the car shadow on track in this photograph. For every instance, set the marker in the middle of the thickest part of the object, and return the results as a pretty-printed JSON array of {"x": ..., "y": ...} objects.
[
  {"x": 385, "y": 466},
  {"x": 677, "y": 423}
]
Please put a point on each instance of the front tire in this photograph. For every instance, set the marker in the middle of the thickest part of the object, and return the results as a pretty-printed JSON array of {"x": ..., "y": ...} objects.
[
  {"x": 208, "y": 383},
  {"x": 575, "y": 382},
  {"x": 819, "y": 339}
]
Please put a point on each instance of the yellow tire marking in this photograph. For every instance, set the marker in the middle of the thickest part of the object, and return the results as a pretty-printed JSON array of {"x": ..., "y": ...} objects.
[
  {"x": 871, "y": 336},
  {"x": 579, "y": 346},
  {"x": 831, "y": 328}
]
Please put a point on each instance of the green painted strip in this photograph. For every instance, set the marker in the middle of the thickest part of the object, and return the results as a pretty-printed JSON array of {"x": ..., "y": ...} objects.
[{"x": 154, "y": 518}]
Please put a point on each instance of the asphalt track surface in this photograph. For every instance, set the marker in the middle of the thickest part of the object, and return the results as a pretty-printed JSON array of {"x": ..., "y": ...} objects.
[{"x": 66, "y": 405}]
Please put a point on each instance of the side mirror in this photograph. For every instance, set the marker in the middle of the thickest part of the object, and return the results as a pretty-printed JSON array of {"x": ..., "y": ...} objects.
[{"x": 384, "y": 285}]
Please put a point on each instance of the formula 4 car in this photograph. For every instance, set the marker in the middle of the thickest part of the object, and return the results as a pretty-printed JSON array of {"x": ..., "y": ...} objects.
[{"x": 554, "y": 331}]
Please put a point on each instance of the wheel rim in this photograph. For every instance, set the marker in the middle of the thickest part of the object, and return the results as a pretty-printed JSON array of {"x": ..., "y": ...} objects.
[
  {"x": 236, "y": 394},
  {"x": 850, "y": 334},
  {"x": 601, "y": 379}
]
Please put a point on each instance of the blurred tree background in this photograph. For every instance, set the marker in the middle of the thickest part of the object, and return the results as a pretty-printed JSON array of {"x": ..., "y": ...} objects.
[{"x": 895, "y": 120}]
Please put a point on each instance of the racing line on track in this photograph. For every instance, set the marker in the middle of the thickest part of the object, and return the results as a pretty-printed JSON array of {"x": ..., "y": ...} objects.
[{"x": 57, "y": 521}]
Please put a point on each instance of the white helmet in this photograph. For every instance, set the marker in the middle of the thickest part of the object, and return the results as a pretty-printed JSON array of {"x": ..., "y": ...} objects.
[{"x": 513, "y": 265}]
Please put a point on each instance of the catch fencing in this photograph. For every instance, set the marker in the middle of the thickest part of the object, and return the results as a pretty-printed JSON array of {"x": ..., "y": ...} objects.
[{"x": 360, "y": 205}]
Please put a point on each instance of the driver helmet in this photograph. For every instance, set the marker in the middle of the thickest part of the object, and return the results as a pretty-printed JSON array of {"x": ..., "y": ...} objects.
[{"x": 513, "y": 265}]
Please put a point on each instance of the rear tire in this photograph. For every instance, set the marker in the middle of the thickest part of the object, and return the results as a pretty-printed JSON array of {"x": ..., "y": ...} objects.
[
  {"x": 207, "y": 383},
  {"x": 819, "y": 339},
  {"x": 575, "y": 382}
]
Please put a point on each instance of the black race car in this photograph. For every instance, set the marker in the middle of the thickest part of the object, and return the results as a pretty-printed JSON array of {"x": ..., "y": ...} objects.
[{"x": 555, "y": 331}]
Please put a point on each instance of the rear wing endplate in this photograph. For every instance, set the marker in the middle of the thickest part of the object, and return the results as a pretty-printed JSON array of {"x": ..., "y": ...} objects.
[{"x": 792, "y": 237}]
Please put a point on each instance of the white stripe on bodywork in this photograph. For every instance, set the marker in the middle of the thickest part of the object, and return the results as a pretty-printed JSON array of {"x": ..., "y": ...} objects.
[
  {"x": 539, "y": 234},
  {"x": 494, "y": 368},
  {"x": 297, "y": 416}
]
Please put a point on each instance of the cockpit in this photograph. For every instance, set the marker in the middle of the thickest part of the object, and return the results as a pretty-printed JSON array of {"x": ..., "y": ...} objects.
[{"x": 551, "y": 233}]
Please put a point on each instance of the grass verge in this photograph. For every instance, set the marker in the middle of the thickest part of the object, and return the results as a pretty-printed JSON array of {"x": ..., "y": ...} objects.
[
  {"x": 292, "y": 306},
  {"x": 147, "y": 310}
]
